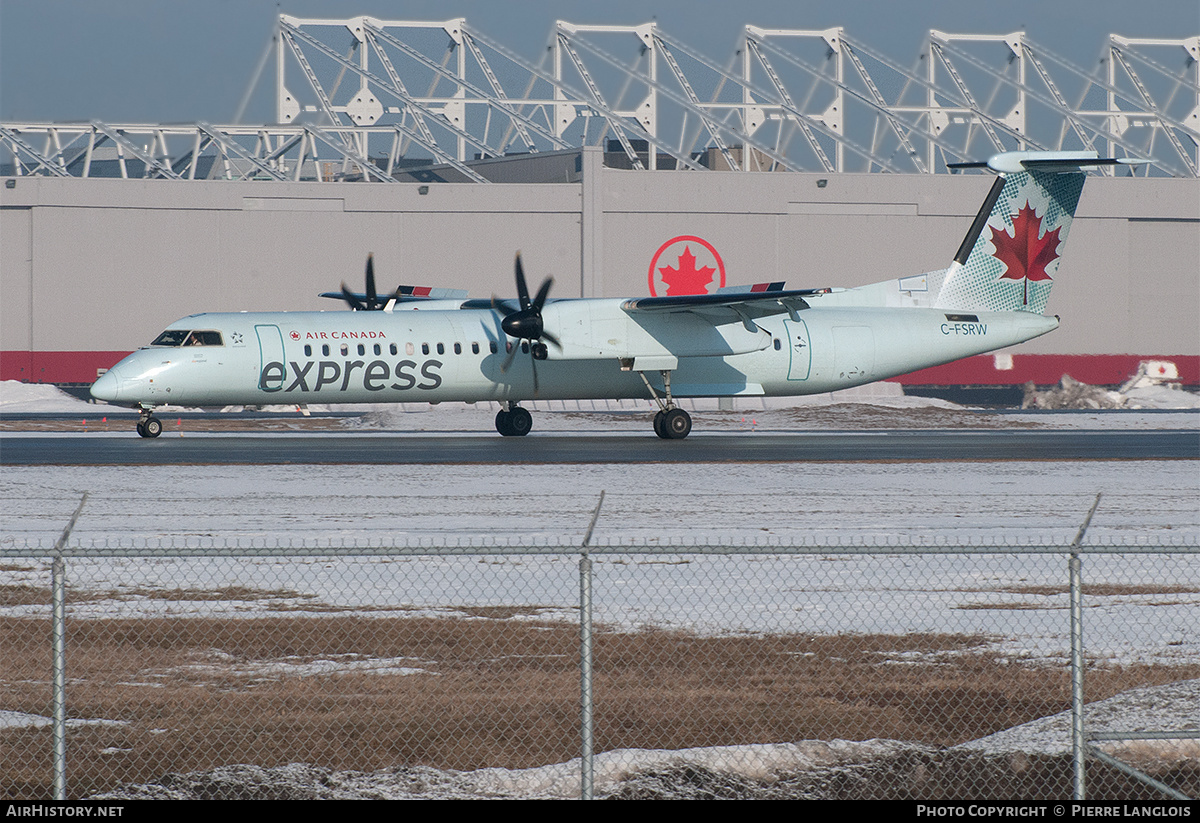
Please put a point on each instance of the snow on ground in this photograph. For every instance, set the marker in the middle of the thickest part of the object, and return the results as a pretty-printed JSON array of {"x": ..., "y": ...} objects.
[
  {"x": 1146, "y": 607},
  {"x": 872, "y": 406},
  {"x": 1174, "y": 707},
  {"x": 16, "y": 396},
  {"x": 1017, "y": 599},
  {"x": 24, "y": 720},
  {"x": 760, "y": 770}
]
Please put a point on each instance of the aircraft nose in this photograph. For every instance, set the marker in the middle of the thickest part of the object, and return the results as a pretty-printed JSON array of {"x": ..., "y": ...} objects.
[{"x": 108, "y": 387}]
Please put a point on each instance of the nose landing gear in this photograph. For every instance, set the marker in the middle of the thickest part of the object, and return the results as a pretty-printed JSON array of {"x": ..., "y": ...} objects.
[{"x": 149, "y": 425}]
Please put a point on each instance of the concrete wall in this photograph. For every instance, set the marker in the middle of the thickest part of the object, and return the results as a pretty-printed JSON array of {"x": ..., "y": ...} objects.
[{"x": 102, "y": 265}]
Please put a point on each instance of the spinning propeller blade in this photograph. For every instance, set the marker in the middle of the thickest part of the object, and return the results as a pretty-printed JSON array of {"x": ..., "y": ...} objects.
[{"x": 525, "y": 323}]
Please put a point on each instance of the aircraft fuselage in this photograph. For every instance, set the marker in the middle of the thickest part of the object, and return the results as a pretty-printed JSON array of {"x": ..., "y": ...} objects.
[{"x": 457, "y": 355}]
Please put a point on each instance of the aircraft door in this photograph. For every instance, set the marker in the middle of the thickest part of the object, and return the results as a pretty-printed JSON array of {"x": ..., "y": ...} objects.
[
  {"x": 272, "y": 367},
  {"x": 854, "y": 350},
  {"x": 801, "y": 350}
]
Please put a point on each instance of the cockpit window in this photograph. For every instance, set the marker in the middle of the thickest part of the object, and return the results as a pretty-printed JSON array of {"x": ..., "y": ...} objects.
[
  {"x": 204, "y": 338},
  {"x": 186, "y": 337},
  {"x": 171, "y": 337}
]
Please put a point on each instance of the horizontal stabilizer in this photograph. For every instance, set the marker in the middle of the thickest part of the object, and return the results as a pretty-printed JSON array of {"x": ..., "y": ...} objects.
[{"x": 1048, "y": 161}]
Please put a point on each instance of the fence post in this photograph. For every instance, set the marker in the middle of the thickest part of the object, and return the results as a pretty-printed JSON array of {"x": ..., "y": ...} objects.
[
  {"x": 1075, "y": 571},
  {"x": 585, "y": 677},
  {"x": 586, "y": 774},
  {"x": 58, "y": 651},
  {"x": 1077, "y": 751},
  {"x": 58, "y": 698}
]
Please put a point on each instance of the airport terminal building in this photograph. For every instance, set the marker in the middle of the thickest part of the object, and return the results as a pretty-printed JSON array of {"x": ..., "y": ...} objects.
[{"x": 110, "y": 232}]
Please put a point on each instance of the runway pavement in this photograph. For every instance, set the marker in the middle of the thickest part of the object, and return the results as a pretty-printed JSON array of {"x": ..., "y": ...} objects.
[{"x": 95, "y": 449}]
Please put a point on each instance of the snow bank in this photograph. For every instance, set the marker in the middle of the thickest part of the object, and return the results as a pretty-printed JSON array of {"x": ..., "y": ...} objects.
[
  {"x": 804, "y": 769},
  {"x": 1142, "y": 393},
  {"x": 1169, "y": 708}
]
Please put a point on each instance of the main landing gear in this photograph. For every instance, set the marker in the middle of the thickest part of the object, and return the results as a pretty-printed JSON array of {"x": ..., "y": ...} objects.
[
  {"x": 514, "y": 421},
  {"x": 671, "y": 422},
  {"x": 149, "y": 425}
]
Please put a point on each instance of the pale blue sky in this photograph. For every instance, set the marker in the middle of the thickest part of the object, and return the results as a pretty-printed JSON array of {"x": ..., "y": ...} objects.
[{"x": 182, "y": 60}]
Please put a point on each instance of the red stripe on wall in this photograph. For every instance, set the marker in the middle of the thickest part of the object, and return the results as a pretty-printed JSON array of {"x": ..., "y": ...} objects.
[
  {"x": 1048, "y": 369},
  {"x": 56, "y": 366}
]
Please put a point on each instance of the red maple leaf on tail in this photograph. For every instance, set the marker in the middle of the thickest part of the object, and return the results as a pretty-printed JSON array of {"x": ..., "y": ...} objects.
[
  {"x": 685, "y": 278},
  {"x": 1025, "y": 255}
]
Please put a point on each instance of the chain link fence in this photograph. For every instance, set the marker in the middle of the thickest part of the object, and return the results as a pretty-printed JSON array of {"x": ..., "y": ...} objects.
[{"x": 865, "y": 668}]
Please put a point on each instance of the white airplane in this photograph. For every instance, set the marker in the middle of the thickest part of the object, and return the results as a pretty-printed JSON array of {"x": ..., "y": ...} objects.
[{"x": 760, "y": 340}]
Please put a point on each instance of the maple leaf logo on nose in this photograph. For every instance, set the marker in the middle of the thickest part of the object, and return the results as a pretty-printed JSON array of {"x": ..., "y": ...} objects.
[
  {"x": 1024, "y": 254},
  {"x": 684, "y": 277}
]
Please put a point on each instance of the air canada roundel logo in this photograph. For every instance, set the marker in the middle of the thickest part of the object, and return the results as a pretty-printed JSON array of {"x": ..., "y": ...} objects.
[{"x": 686, "y": 265}]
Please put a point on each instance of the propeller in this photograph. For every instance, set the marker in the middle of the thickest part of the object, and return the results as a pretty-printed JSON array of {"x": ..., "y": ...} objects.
[
  {"x": 373, "y": 301},
  {"x": 524, "y": 320}
]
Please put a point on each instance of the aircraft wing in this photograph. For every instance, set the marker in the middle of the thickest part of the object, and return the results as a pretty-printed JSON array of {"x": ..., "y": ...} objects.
[{"x": 728, "y": 308}]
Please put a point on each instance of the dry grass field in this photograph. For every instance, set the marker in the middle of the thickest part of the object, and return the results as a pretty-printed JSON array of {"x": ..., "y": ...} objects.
[{"x": 501, "y": 688}]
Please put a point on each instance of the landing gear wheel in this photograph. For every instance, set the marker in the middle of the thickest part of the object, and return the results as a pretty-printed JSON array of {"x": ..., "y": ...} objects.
[
  {"x": 520, "y": 421},
  {"x": 658, "y": 424},
  {"x": 514, "y": 423},
  {"x": 150, "y": 427},
  {"x": 141, "y": 429},
  {"x": 676, "y": 424}
]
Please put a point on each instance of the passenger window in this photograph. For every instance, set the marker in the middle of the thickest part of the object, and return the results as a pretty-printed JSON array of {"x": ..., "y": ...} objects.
[
  {"x": 492, "y": 345},
  {"x": 474, "y": 348},
  {"x": 393, "y": 349},
  {"x": 307, "y": 350},
  {"x": 778, "y": 345},
  {"x": 458, "y": 348},
  {"x": 361, "y": 349},
  {"x": 441, "y": 348},
  {"x": 345, "y": 349},
  {"x": 524, "y": 347},
  {"x": 378, "y": 349},
  {"x": 408, "y": 348},
  {"x": 424, "y": 348},
  {"x": 325, "y": 349}
]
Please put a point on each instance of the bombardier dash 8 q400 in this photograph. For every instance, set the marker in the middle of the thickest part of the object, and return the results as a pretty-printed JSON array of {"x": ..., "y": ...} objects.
[{"x": 763, "y": 341}]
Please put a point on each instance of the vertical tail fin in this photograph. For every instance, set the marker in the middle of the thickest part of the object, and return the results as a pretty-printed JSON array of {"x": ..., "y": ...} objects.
[{"x": 1008, "y": 260}]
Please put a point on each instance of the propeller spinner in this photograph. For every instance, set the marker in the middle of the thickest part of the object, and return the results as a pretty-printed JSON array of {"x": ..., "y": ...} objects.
[{"x": 524, "y": 321}]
